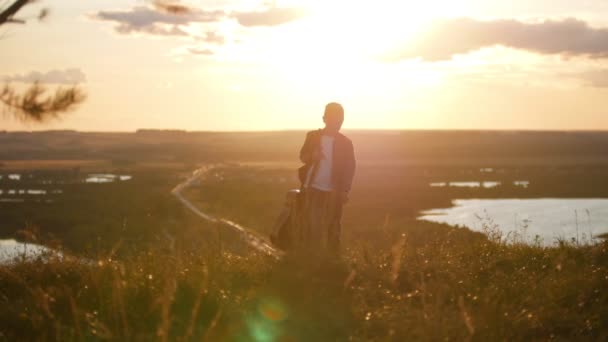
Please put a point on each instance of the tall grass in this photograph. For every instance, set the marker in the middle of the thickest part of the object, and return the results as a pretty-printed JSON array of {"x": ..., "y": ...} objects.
[
  {"x": 425, "y": 283},
  {"x": 397, "y": 279}
]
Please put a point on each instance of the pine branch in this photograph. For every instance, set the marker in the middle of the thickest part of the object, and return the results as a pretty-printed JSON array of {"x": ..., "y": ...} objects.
[
  {"x": 33, "y": 105},
  {"x": 7, "y": 14}
]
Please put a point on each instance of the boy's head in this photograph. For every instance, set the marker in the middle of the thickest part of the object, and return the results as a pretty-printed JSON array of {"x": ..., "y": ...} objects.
[{"x": 333, "y": 117}]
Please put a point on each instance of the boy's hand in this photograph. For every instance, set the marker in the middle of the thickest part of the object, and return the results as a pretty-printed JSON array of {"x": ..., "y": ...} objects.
[{"x": 344, "y": 197}]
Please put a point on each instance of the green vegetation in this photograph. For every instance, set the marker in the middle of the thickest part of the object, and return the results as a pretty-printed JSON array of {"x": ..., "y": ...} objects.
[
  {"x": 91, "y": 218},
  {"x": 154, "y": 271},
  {"x": 425, "y": 282}
]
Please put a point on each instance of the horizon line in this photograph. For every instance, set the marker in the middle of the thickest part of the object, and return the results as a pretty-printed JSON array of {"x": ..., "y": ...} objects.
[{"x": 179, "y": 130}]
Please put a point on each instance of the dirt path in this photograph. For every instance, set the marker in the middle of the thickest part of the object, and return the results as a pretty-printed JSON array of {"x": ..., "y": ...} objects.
[{"x": 251, "y": 237}]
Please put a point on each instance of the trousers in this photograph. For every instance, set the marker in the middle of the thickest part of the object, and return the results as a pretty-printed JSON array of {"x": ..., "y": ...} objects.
[{"x": 321, "y": 218}]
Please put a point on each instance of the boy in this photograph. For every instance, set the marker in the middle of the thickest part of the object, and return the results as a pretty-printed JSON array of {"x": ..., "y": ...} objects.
[{"x": 326, "y": 178}]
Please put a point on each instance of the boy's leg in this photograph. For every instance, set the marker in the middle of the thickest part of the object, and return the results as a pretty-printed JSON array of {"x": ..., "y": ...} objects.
[
  {"x": 309, "y": 218},
  {"x": 318, "y": 215},
  {"x": 304, "y": 224},
  {"x": 334, "y": 228}
]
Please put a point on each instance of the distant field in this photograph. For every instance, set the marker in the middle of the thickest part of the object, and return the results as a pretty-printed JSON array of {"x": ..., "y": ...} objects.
[
  {"x": 51, "y": 164},
  {"x": 383, "y": 194},
  {"x": 409, "y": 147},
  {"x": 160, "y": 271}
]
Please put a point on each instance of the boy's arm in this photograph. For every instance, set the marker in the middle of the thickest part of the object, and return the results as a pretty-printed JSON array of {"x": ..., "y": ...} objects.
[
  {"x": 351, "y": 165},
  {"x": 306, "y": 150}
]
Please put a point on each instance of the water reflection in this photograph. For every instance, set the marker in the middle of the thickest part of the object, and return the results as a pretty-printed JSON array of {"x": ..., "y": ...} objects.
[
  {"x": 17, "y": 195},
  {"x": 549, "y": 218},
  {"x": 13, "y": 251},
  {"x": 106, "y": 178},
  {"x": 90, "y": 178},
  {"x": 487, "y": 184},
  {"x": 490, "y": 184},
  {"x": 35, "y": 192},
  {"x": 484, "y": 184}
]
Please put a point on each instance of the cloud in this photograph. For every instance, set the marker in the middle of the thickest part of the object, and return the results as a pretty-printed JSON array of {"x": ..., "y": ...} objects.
[
  {"x": 203, "y": 27},
  {"x": 142, "y": 19},
  {"x": 205, "y": 45},
  {"x": 67, "y": 76},
  {"x": 568, "y": 37},
  {"x": 596, "y": 78},
  {"x": 199, "y": 51},
  {"x": 162, "y": 22},
  {"x": 272, "y": 16},
  {"x": 212, "y": 37}
]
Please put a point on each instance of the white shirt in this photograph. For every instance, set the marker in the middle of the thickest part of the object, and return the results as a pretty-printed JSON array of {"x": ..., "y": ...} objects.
[{"x": 322, "y": 179}]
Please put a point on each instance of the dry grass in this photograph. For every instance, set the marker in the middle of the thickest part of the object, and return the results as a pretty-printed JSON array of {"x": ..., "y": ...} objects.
[
  {"x": 431, "y": 284},
  {"x": 398, "y": 280}
]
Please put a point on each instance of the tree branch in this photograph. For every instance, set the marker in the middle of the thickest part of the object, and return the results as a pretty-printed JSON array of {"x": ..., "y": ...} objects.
[
  {"x": 7, "y": 14},
  {"x": 33, "y": 106}
]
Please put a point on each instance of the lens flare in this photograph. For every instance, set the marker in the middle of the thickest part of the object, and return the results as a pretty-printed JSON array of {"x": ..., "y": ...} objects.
[{"x": 265, "y": 324}]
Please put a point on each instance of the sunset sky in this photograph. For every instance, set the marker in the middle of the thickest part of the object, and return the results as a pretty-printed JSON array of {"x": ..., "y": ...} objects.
[{"x": 254, "y": 65}]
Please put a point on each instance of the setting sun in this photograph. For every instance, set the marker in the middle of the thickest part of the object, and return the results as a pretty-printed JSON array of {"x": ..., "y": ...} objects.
[{"x": 432, "y": 64}]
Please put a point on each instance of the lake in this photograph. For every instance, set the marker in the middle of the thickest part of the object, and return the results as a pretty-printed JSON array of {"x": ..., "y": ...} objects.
[
  {"x": 106, "y": 178},
  {"x": 475, "y": 184},
  {"x": 548, "y": 218},
  {"x": 14, "y": 188},
  {"x": 90, "y": 178},
  {"x": 11, "y": 250}
]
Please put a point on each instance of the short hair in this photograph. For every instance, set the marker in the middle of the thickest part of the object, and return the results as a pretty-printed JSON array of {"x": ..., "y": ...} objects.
[{"x": 334, "y": 108}]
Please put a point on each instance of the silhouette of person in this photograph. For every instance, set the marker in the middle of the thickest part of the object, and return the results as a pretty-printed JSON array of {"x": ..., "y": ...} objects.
[{"x": 326, "y": 178}]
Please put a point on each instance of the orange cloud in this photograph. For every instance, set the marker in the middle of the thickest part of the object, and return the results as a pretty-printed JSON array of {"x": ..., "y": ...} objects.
[{"x": 569, "y": 37}]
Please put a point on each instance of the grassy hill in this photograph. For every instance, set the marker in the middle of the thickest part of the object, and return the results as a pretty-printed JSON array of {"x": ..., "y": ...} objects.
[{"x": 154, "y": 271}]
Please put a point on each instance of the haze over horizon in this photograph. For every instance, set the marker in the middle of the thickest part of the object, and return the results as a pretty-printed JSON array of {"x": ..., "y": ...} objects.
[
  {"x": 42, "y": 129},
  {"x": 253, "y": 65}
]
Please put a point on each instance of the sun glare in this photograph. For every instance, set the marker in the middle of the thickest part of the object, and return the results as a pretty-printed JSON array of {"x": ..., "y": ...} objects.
[
  {"x": 360, "y": 31},
  {"x": 339, "y": 44}
]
